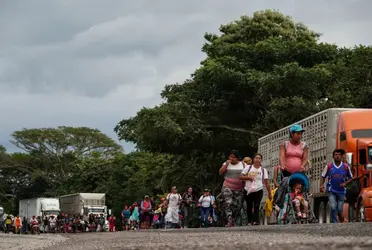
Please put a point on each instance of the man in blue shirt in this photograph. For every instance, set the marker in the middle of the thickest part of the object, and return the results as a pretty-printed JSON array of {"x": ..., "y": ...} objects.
[{"x": 338, "y": 174}]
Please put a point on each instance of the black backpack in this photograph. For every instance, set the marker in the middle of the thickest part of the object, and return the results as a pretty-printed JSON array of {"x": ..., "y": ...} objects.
[{"x": 281, "y": 192}]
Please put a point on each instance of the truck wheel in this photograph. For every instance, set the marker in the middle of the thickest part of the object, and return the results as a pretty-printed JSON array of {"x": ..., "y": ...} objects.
[
  {"x": 361, "y": 217},
  {"x": 321, "y": 213}
]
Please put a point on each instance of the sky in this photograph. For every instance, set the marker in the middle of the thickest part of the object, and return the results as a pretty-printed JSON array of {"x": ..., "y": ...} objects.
[{"x": 95, "y": 62}]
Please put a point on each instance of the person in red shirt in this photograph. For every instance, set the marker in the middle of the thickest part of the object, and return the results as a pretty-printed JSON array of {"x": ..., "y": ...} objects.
[{"x": 112, "y": 223}]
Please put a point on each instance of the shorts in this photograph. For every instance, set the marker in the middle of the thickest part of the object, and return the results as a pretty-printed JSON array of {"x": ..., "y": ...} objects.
[{"x": 125, "y": 221}]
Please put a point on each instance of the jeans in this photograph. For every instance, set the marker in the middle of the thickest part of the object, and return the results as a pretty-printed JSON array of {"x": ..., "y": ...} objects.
[
  {"x": 188, "y": 213},
  {"x": 253, "y": 201},
  {"x": 336, "y": 201},
  {"x": 204, "y": 213}
]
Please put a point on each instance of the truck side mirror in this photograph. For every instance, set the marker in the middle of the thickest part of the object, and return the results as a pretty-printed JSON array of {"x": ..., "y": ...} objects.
[
  {"x": 82, "y": 211},
  {"x": 349, "y": 158},
  {"x": 41, "y": 214},
  {"x": 109, "y": 211}
]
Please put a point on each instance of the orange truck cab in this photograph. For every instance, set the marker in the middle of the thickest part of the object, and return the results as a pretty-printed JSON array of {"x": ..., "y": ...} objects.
[{"x": 354, "y": 135}]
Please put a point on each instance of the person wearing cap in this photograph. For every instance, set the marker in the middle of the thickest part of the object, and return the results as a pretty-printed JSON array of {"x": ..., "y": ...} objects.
[
  {"x": 173, "y": 202},
  {"x": 293, "y": 154},
  {"x": 206, "y": 202},
  {"x": 339, "y": 175}
]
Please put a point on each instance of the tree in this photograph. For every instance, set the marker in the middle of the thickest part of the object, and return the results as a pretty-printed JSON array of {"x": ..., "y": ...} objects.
[
  {"x": 261, "y": 73},
  {"x": 57, "y": 150}
]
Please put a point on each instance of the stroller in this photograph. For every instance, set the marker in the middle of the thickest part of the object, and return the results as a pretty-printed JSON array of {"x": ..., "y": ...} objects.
[{"x": 283, "y": 202}]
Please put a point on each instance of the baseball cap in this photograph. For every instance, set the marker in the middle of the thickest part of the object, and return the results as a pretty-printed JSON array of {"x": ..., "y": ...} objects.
[{"x": 296, "y": 128}]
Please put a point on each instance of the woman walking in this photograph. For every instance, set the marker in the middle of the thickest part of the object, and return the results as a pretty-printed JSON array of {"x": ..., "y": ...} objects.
[
  {"x": 256, "y": 178},
  {"x": 188, "y": 200},
  {"x": 230, "y": 199},
  {"x": 293, "y": 154}
]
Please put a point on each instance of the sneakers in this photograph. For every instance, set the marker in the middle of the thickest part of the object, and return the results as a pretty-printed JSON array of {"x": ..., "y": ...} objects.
[
  {"x": 304, "y": 216},
  {"x": 299, "y": 214}
]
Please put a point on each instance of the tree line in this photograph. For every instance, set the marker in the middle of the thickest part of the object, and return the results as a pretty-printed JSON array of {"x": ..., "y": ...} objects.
[{"x": 261, "y": 72}]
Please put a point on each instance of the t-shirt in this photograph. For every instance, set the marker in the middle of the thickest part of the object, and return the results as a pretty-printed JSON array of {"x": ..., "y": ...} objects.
[
  {"x": 206, "y": 201},
  {"x": 232, "y": 175},
  {"x": 173, "y": 200},
  {"x": 126, "y": 213},
  {"x": 257, "y": 174},
  {"x": 336, "y": 176}
]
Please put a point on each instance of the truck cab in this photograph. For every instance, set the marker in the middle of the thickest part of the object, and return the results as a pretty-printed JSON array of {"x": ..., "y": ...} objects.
[
  {"x": 354, "y": 135},
  {"x": 96, "y": 210}
]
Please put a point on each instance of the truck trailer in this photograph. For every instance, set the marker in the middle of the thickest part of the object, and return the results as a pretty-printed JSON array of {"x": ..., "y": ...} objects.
[
  {"x": 347, "y": 129},
  {"x": 43, "y": 207},
  {"x": 84, "y": 204}
]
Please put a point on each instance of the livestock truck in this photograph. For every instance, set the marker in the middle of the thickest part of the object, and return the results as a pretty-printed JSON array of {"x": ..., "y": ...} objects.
[
  {"x": 43, "y": 207},
  {"x": 347, "y": 129},
  {"x": 84, "y": 204}
]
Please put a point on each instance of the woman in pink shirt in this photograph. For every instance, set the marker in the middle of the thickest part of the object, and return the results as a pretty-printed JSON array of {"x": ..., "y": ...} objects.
[
  {"x": 230, "y": 198},
  {"x": 293, "y": 154}
]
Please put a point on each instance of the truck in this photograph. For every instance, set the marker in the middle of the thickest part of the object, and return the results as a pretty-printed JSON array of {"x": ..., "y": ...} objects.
[
  {"x": 84, "y": 204},
  {"x": 39, "y": 207},
  {"x": 343, "y": 128}
]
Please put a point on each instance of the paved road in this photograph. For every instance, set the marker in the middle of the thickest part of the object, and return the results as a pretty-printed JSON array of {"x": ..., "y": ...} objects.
[{"x": 340, "y": 237}]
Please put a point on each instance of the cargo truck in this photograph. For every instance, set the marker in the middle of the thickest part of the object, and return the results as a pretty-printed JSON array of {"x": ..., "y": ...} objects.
[
  {"x": 348, "y": 129},
  {"x": 84, "y": 204},
  {"x": 39, "y": 207}
]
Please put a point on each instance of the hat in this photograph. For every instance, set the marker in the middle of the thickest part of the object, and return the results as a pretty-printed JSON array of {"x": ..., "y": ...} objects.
[
  {"x": 174, "y": 187},
  {"x": 146, "y": 196},
  {"x": 206, "y": 190},
  {"x": 296, "y": 128}
]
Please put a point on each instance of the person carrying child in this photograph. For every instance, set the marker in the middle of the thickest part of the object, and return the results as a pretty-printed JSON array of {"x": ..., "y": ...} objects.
[{"x": 299, "y": 201}]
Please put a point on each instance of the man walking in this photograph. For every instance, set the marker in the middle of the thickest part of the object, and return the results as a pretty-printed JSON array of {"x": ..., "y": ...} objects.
[{"x": 339, "y": 175}]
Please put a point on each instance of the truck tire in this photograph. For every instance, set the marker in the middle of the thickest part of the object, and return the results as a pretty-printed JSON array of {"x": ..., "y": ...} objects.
[
  {"x": 361, "y": 213},
  {"x": 321, "y": 213}
]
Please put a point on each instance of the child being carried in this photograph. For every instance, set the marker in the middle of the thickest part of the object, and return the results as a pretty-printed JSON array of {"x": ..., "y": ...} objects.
[{"x": 299, "y": 201}]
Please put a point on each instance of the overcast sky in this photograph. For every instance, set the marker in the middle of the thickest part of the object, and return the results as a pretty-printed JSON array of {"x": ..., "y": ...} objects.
[{"x": 93, "y": 63}]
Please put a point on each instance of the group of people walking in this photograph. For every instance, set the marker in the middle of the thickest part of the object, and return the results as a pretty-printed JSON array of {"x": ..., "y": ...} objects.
[{"x": 245, "y": 181}]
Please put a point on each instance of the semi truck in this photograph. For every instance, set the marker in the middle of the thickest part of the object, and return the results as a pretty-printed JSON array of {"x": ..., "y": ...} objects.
[
  {"x": 39, "y": 207},
  {"x": 84, "y": 204},
  {"x": 347, "y": 129}
]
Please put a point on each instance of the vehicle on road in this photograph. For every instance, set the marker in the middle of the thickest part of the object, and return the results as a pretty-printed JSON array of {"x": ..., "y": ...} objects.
[
  {"x": 43, "y": 207},
  {"x": 84, "y": 204},
  {"x": 347, "y": 129}
]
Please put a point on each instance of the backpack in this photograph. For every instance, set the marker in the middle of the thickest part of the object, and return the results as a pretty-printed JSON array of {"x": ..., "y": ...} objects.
[{"x": 281, "y": 192}]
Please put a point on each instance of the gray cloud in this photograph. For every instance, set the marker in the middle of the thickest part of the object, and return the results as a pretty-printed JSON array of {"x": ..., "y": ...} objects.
[{"x": 92, "y": 62}]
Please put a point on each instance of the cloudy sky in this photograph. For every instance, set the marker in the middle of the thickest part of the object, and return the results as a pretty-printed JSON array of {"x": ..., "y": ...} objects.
[{"x": 95, "y": 62}]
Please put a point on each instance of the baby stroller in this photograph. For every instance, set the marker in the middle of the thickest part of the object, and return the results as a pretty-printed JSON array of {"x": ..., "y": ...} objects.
[{"x": 283, "y": 202}]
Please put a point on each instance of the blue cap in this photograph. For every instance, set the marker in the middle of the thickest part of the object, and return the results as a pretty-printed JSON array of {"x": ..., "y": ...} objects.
[{"x": 296, "y": 128}]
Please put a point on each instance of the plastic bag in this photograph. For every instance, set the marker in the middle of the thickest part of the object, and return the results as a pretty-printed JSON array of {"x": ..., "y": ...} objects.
[{"x": 252, "y": 188}]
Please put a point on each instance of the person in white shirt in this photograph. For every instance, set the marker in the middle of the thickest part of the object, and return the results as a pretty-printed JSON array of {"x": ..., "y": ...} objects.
[
  {"x": 206, "y": 203},
  {"x": 256, "y": 178},
  {"x": 173, "y": 201}
]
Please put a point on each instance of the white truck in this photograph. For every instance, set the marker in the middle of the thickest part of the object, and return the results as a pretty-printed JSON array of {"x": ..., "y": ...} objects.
[
  {"x": 84, "y": 204},
  {"x": 39, "y": 207},
  {"x": 348, "y": 129}
]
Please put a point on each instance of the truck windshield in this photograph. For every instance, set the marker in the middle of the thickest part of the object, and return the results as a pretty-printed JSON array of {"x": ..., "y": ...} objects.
[
  {"x": 370, "y": 154},
  {"x": 362, "y": 133},
  {"x": 96, "y": 210},
  {"x": 53, "y": 212}
]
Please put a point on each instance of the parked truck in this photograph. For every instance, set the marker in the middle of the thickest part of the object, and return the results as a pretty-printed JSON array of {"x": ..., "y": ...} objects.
[
  {"x": 348, "y": 129},
  {"x": 43, "y": 207},
  {"x": 84, "y": 204}
]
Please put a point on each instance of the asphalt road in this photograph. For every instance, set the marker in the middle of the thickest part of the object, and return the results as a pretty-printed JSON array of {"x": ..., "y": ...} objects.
[{"x": 341, "y": 236}]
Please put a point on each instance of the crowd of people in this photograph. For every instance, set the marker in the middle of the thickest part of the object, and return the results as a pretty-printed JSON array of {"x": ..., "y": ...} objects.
[{"x": 244, "y": 182}]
